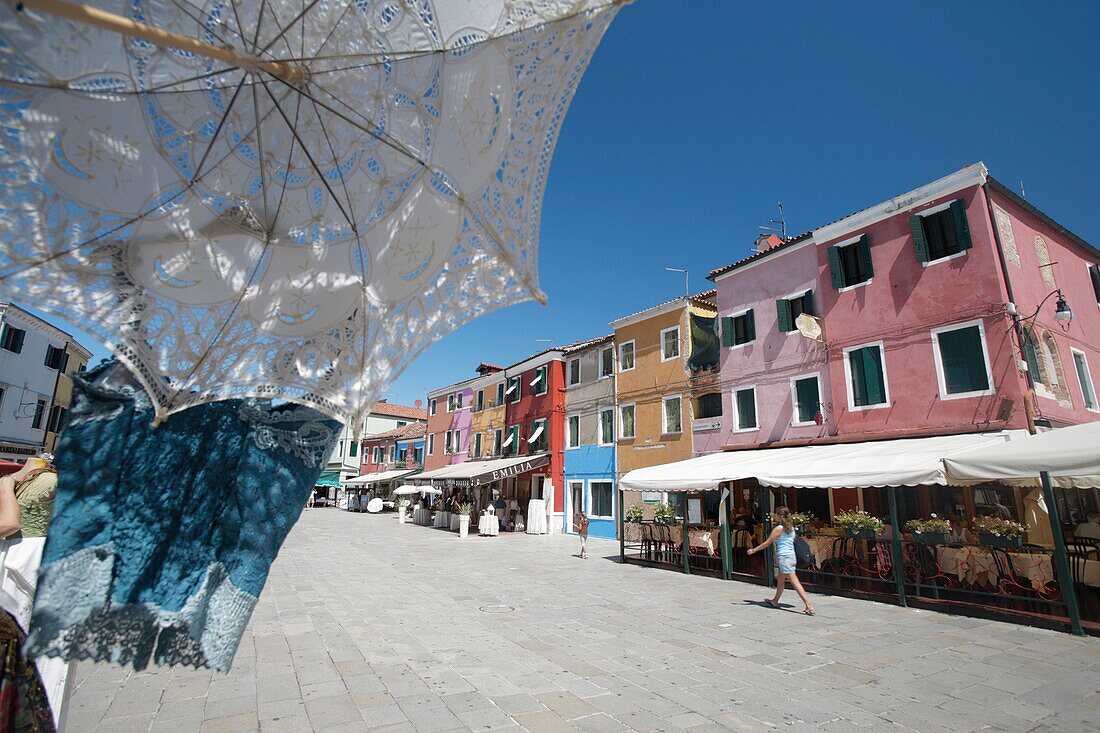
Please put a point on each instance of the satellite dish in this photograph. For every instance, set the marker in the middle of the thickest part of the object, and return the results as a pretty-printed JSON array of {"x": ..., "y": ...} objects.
[
  {"x": 808, "y": 326},
  {"x": 418, "y": 403}
]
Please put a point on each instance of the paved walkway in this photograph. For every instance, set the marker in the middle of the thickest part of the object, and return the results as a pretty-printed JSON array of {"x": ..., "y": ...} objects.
[{"x": 368, "y": 624}]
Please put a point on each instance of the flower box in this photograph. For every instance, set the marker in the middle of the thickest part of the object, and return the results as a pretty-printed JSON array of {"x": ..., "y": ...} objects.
[
  {"x": 930, "y": 538},
  {"x": 860, "y": 534},
  {"x": 994, "y": 540}
]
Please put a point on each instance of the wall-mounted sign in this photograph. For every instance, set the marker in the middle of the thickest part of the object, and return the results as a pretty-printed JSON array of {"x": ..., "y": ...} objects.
[{"x": 706, "y": 424}]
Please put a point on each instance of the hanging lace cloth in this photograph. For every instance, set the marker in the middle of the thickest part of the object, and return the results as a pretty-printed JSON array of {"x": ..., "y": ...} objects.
[{"x": 162, "y": 539}]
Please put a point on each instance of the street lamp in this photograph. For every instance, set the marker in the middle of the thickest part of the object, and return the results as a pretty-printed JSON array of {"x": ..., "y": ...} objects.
[
  {"x": 687, "y": 291},
  {"x": 1063, "y": 314}
]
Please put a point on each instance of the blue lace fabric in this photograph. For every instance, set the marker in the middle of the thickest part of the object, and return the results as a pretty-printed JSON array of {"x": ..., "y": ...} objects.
[{"x": 162, "y": 538}]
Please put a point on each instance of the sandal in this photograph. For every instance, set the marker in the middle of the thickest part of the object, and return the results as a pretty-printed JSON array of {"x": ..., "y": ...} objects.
[
  {"x": 771, "y": 603},
  {"x": 808, "y": 612}
]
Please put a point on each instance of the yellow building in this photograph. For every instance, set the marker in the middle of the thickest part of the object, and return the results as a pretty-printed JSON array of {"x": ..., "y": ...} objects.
[
  {"x": 653, "y": 389},
  {"x": 487, "y": 412}
]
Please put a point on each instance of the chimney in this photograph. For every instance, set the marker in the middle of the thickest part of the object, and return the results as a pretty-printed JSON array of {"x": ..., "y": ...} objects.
[{"x": 765, "y": 242}]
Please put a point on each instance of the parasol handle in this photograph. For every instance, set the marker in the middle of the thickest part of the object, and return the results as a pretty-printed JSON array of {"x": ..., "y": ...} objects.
[{"x": 132, "y": 28}]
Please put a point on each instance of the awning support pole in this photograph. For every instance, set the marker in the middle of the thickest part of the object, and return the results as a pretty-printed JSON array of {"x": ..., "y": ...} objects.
[
  {"x": 765, "y": 502},
  {"x": 621, "y": 528},
  {"x": 724, "y": 533},
  {"x": 1061, "y": 559},
  {"x": 685, "y": 543},
  {"x": 895, "y": 544}
]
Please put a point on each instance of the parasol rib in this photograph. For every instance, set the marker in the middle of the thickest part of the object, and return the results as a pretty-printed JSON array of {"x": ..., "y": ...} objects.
[{"x": 132, "y": 28}]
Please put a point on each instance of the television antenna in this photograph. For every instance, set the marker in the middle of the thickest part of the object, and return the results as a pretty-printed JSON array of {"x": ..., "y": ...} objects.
[{"x": 779, "y": 224}]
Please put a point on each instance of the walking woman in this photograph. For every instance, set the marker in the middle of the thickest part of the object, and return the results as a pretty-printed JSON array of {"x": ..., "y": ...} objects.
[{"x": 783, "y": 538}]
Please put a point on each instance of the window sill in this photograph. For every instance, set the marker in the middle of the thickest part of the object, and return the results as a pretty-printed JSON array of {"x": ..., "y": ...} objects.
[
  {"x": 955, "y": 256},
  {"x": 865, "y": 283},
  {"x": 754, "y": 429},
  {"x": 811, "y": 423},
  {"x": 868, "y": 408},
  {"x": 984, "y": 393},
  {"x": 667, "y": 434},
  {"x": 670, "y": 358},
  {"x": 601, "y": 516},
  {"x": 627, "y": 439},
  {"x": 741, "y": 345},
  {"x": 630, "y": 369}
]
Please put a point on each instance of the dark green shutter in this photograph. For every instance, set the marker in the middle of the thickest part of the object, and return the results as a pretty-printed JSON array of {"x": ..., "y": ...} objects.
[
  {"x": 750, "y": 326},
  {"x": 873, "y": 380},
  {"x": 859, "y": 378},
  {"x": 808, "y": 303},
  {"x": 920, "y": 244},
  {"x": 865, "y": 256},
  {"x": 783, "y": 309},
  {"x": 727, "y": 331},
  {"x": 835, "y": 269},
  {"x": 962, "y": 226},
  {"x": 1094, "y": 274}
]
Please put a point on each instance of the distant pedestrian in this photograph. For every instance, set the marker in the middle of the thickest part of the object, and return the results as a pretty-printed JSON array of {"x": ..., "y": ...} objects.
[
  {"x": 581, "y": 525},
  {"x": 783, "y": 538}
]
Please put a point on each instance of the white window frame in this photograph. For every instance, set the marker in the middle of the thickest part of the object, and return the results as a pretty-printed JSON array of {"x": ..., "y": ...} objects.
[
  {"x": 599, "y": 362},
  {"x": 477, "y": 445},
  {"x": 622, "y": 433},
  {"x": 448, "y": 443},
  {"x": 1088, "y": 373},
  {"x": 599, "y": 426},
  {"x": 432, "y": 406},
  {"x": 738, "y": 314},
  {"x": 661, "y": 343},
  {"x": 576, "y": 361},
  {"x": 431, "y": 444},
  {"x": 942, "y": 383},
  {"x": 935, "y": 210},
  {"x": 734, "y": 426},
  {"x": 852, "y": 407},
  {"x": 664, "y": 414},
  {"x": 588, "y": 497},
  {"x": 569, "y": 436},
  {"x": 479, "y": 399},
  {"x": 794, "y": 399},
  {"x": 545, "y": 378},
  {"x": 633, "y": 356}
]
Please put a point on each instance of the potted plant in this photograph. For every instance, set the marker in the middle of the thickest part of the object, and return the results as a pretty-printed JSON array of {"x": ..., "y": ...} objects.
[
  {"x": 664, "y": 514},
  {"x": 997, "y": 532},
  {"x": 402, "y": 507},
  {"x": 464, "y": 510},
  {"x": 634, "y": 514},
  {"x": 931, "y": 531},
  {"x": 858, "y": 524}
]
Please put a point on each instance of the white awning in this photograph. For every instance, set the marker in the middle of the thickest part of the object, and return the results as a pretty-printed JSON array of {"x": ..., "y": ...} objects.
[
  {"x": 373, "y": 478},
  {"x": 536, "y": 380},
  {"x": 901, "y": 462},
  {"x": 1070, "y": 455},
  {"x": 538, "y": 431},
  {"x": 511, "y": 387},
  {"x": 508, "y": 442},
  {"x": 477, "y": 473},
  {"x": 409, "y": 489}
]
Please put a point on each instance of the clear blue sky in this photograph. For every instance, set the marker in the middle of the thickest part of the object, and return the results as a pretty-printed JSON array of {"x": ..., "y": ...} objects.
[{"x": 695, "y": 118}]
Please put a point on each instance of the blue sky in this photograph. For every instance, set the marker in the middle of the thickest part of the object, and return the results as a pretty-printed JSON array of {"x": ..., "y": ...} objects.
[{"x": 695, "y": 118}]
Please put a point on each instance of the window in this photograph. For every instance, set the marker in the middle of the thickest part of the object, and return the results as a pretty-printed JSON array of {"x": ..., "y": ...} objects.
[
  {"x": 626, "y": 355},
  {"x": 39, "y": 410},
  {"x": 739, "y": 329},
  {"x": 806, "y": 396},
  {"x": 850, "y": 263},
  {"x": 626, "y": 421},
  {"x": 670, "y": 420},
  {"x": 670, "y": 343},
  {"x": 573, "y": 431},
  {"x": 377, "y": 454},
  {"x": 1084, "y": 378},
  {"x": 458, "y": 400},
  {"x": 601, "y": 500},
  {"x": 12, "y": 338},
  {"x": 940, "y": 232},
  {"x": 514, "y": 389},
  {"x": 450, "y": 403},
  {"x": 353, "y": 449},
  {"x": 607, "y": 426},
  {"x": 477, "y": 445},
  {"x": 431, "y": 410},
  {"x": 538, "y": 440},
  {"x": 1094, "y": 275},
  {"x": 57, "y": 419},
  {"x": 538, "y": 384},
  {"x": 866, "y": 372},
  {"x": 709, "y": 405},
  {"x": 500, "y": 394},
  {"x": 56, "y": 358},
  {"x": 498, "y": 438},
  {"x": 789, "y": 309},
  {"x": 744, "y": 408},
  {"x": 510, "y": 446},
  {"x": 962, "y": 365},
  {"x": 480, "y": 404},
  {"x": 431, "y": 444},
  {"x": 575, "y": 371},
  {"x": 607, "y": 362},
  {"x": 448, "y": 442}
]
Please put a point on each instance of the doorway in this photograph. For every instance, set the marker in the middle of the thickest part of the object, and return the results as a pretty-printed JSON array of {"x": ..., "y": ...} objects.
[{"x": 574, "y": 502}]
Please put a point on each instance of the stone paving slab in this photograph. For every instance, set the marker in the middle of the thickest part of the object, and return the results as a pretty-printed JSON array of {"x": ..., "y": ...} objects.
[{"x": 370, "y": 625}]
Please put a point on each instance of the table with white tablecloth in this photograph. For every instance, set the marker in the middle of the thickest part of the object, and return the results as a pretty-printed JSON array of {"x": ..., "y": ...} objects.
[
  {"x": 972, "y": 565},
  {"x": 454, "y": 521},
  {"x": 442, "y": 519},
  {"x": 422, "y": 515},
  {"x": 488, "y": 525},
  {"x": 536, "y": 517}
]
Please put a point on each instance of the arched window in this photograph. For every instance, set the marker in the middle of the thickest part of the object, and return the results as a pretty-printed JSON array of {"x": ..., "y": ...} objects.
[{"x": 1045, "y": 268}]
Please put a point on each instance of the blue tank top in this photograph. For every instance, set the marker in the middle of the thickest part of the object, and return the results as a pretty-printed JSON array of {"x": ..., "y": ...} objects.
[{"x": 784, "y": 543}]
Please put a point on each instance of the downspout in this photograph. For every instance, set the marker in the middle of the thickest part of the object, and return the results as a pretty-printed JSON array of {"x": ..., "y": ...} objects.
[{"x": 1029, "y": 394}]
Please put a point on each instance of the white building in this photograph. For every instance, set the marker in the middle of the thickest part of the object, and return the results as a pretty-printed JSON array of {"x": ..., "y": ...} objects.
[{"x": 35, "y": 358}]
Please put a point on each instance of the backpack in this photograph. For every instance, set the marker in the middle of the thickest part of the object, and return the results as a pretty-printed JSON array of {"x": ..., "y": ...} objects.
[{"x": 802, "y": 553}]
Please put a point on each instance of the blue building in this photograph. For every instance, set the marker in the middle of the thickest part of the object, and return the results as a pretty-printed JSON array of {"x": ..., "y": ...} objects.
[{"x": 590, "y": 435}]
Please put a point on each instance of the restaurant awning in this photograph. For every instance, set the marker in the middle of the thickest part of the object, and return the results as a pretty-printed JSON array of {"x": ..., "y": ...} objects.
[
  {"x": 373, "y": 478},
  {"x": 478, "y": 473},
  {"x": 1070, "y": 455},
  {"x": 900, "y": 462},
  {"x": 328, "y": 478}
]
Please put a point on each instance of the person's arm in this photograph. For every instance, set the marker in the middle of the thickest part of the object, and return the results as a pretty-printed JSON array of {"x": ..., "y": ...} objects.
[
  {"x": 778, "y": 530},
  {"x": 9, "y": 507}
]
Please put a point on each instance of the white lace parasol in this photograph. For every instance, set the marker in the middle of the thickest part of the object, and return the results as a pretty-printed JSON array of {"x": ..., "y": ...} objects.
[{"x": 283, "y": 198}]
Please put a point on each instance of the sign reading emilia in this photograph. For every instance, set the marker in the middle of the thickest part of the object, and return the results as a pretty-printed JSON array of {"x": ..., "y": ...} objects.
[{"x": 491, "y": 471}]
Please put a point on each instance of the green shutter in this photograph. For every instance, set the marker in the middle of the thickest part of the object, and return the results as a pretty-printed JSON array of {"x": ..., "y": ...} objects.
[
  {"x": 783, "y": 309},
  {"x": 750, "y": 326},
  {"x": 920, "y": 244},
  {"x": 727, "y": 331},
  {"x": 859, "y": 378},
  {"x": 962, "y": 226},
  {"x": 865, "y": 256},
  {"x": 808, "y": 303},
  {"x": 835, "y": 269},
  {"x": 873, "y": 380}
]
